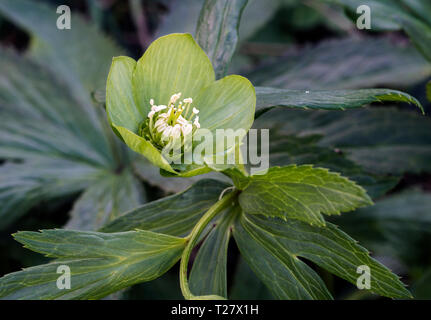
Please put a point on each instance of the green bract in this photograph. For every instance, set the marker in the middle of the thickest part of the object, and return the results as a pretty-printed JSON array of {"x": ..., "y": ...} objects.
[{"x": 170, "y": 93}]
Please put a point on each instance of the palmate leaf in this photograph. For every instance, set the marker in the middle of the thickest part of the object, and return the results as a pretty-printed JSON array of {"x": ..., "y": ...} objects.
[
  {"x": 301, "y": 192},
  {"x": 272, "y": 248},
  {"x": 217, "y": 31},
  {"x": 285, "y": 275},
  {"x": 175, "y": 215},
  {"x": 268, "y": 98},
  {"x": 61, "y": 150},
  {"x": 48, "y": 122},
  {"x": 99, "y": 263},
  {"x": 381, "y": 140},
  {"x": 345, "y": 64}
]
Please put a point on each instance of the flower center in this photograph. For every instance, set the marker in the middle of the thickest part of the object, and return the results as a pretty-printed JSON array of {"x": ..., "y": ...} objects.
[{"x": 171, "y": 124}]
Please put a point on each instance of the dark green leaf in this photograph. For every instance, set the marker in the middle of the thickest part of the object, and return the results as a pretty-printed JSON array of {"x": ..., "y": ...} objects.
[
  {"x": 397, "y": 226},
  {"x": 217, "y": 31},
  {"x": 262, "y": 240},
  {"x": 420, "y": 8},
  {"x": 81, "y": 55},
  {"x": 105, "y": 200},
  {"x": 209, "y": 272},
  {"x": 246, "y": 285},
  {"x": 41, "y": 119},
  {"x": 412, "y": 16},
  {"x": 61, "y": 142},
  {"x": 183, "y": 17},
  {"x": 283, "y": 273},
  {"x": 174, "y": 215},
  {"x": 291, "y": 149},
  {"x": 255, "y": 15},
  {"x": 301, "y": 192},
  {"x": 24, "y": 186},
  {"x": 420, "y": 33},
  {"x": 422, "y": 287},
  {"x": 268, "y": 98},
  {"x": 99, "y": 263},
  {"x": 385, "y": 14},
  {"x": 345, "y": 64},
  {"x": 166, "y": 287},
  {"x": 381, "y": 140}
]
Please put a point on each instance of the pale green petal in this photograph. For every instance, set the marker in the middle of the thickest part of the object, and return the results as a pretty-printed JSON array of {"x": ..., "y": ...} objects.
[
  {"x": 172, "y": 64},
  {"x": 120, "y": 105},
  {"x": 228, "y": 103},
  {"x": 186, "y": 171},
  {"x": 144, "y": 147}
]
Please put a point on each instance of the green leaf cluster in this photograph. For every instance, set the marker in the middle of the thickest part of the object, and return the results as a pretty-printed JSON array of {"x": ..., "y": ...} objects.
[{"x": 56, "y": 142}]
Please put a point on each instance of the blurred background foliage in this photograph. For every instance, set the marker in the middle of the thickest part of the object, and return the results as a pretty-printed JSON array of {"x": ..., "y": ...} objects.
[{"x": 61, "y": 166}]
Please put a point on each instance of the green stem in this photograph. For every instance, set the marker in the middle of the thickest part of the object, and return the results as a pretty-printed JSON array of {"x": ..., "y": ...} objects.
[{"x": 193, "y": 238}]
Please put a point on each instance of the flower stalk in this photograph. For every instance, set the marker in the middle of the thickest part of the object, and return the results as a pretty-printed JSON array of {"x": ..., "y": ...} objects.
[{"x": 193, "y": 237}]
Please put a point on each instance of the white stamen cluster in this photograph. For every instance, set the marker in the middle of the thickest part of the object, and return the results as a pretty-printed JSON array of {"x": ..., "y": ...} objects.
[{"x": 170, "y": 123}]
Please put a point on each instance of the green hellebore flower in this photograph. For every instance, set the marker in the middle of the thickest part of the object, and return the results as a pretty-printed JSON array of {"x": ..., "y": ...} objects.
[{"x": 171, "y": 92}]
